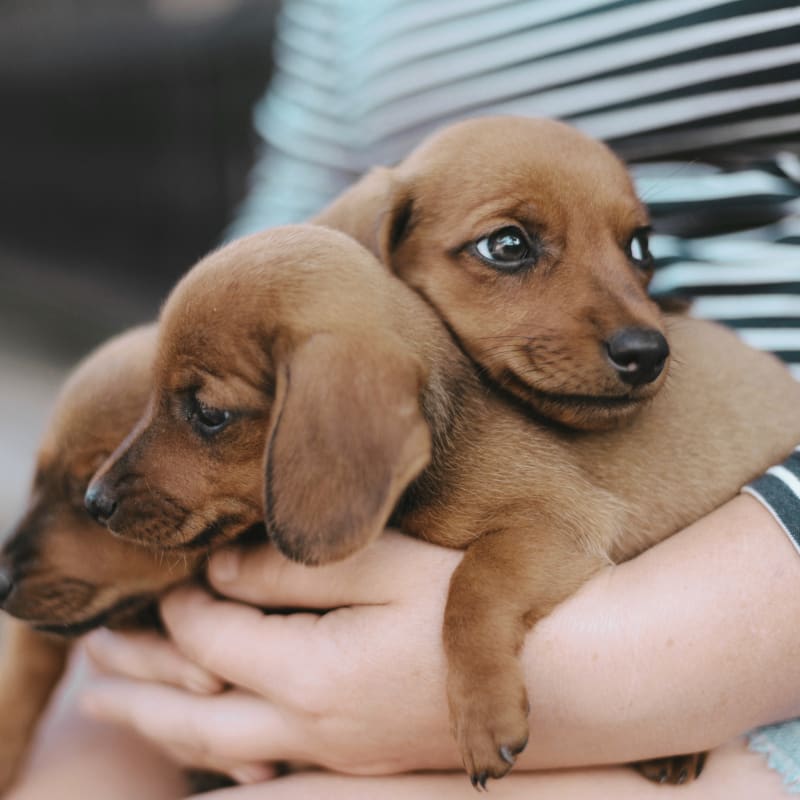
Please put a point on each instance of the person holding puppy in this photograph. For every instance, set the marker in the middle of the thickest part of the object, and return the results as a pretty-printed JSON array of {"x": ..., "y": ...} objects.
[{"x": 681, "y": 649}]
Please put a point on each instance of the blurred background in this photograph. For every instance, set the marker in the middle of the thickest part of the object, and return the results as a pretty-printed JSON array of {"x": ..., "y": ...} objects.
[{"x": 125, "y": 143}]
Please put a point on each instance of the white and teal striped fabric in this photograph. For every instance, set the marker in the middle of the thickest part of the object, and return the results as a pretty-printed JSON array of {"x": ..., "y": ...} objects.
[{"x": 702, "y": 97}]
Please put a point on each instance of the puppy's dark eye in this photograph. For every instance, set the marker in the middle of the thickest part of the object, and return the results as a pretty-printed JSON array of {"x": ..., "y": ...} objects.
[
  {"x": 507, "y": 249},
  {"x": 639, "y": 249},
  {"x": 206, "y": 419}
]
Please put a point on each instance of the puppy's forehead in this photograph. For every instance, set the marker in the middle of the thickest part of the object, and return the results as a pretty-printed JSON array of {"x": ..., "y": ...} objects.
[
  {"x": 542, "y": 157},
  {"x": 225, "y": 315},
  {"x": 223, "y": 371},
  {"x": 227, "y": 312},
  {"x": 264, "y": 276}
]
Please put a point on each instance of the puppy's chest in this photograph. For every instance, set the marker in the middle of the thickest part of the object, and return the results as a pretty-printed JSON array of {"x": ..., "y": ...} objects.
[
  {"x": 429, "y": 508},
  {"x": 534, "y": 490}
]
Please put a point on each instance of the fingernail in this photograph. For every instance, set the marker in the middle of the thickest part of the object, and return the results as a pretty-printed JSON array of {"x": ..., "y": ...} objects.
[
  {"x": 224, "y": 566},
  {"x": 253, "y": 773}
]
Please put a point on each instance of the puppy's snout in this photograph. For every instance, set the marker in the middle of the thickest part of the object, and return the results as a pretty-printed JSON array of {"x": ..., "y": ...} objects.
[
  {"x": 6, "y": 583},
  {"x": 638, "y": 354},
  {"x": 100, "y": 502}
]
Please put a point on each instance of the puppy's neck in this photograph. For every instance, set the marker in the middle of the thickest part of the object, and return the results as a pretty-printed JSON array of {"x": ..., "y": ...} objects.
[{"x": 452, "y": 401}]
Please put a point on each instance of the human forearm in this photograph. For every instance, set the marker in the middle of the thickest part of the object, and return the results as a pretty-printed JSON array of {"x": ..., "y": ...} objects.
[
  {"x": 674, "y": 651},
  {"x": 731, "y": 772}
]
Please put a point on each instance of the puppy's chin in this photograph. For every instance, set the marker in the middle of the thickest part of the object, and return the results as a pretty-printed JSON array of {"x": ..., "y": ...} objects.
[
  {"x": 72, "y": 622},
  {"x": 46, "y": 606},
  {"x": 581, "y": 410},
  {"x": 587, "y": 413},
  {"x": 196, "y": 532},
  {"x": 145, "y": 534}
]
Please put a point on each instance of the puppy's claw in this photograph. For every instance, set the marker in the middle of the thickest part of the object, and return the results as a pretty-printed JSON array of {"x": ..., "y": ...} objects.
[
  {"x": 676, "y": 770},
  {"x": 489, "y": 725},
  {"x": 478, "y": 781},
  {"x": 701, "y": 762},
  {"x": 507, "y": 755}
]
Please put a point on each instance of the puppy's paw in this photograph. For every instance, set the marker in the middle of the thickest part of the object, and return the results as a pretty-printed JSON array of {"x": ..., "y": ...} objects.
[
  {"x": 490, "y": 725},
  {"x": 673, "y": 769}
]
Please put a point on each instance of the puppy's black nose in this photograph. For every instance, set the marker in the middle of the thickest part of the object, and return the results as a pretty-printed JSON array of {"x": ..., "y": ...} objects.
[
  {"x": 638, "y": 354},
  {"x": 5, "y": 584},
  {"x": 100, "y": 502}
]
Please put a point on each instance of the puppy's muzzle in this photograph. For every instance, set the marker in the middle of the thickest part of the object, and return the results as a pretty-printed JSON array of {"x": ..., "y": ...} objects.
[
  {"x": 638, "y": 355},
  {"x": 100, "y": 502}
]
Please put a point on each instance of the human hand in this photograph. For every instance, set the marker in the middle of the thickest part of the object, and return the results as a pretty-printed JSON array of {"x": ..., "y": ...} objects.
[
  {"x": 359, "y": 689},
  {"x": 664, "y": 654}
]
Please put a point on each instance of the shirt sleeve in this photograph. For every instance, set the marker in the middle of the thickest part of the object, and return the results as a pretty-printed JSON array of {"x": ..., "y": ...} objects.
[{"x": 778, "y": 490}]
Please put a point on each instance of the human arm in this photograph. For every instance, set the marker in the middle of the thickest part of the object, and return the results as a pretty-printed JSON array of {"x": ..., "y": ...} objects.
[
  {"x": 731, "y": 772},
  {"x": 676, "y": 651}
]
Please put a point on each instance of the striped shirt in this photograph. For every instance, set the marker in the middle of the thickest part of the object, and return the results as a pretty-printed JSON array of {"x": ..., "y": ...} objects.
[
  {"x": 699, "y": 96},
  {"x": 778, "y": 489}
]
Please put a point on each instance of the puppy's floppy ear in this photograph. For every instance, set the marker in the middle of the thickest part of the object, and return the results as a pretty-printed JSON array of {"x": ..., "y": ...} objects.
[
  {"x": 347, "y": 437},
  {"x": 376, "y": 211}
]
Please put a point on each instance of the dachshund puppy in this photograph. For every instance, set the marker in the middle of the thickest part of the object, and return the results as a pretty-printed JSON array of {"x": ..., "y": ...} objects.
[
  {"x": 528, "y": 239},
  {"x": 299, "y": 382},
  {"x": 61, "y": 574}
]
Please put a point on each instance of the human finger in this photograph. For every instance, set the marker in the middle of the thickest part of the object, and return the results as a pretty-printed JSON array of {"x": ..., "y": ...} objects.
[
  {"x": 219, "y": 732},
  {"x": 147, "y": 656},
  {"x": 250, "y": 649},
  {"x": 377, "y": 574}
]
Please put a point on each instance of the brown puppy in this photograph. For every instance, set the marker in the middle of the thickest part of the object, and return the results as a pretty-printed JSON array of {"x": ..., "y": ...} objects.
[
  {"x": 60, "y": 572},
  {"x": 528, "y": 239},
  {"x": 297, "y": 380}
]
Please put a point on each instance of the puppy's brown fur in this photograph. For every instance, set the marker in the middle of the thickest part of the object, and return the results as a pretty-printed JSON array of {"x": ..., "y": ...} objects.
[
  {"x": 543, "y": 327},
  {"x": 68, "y": 575},
  {"x": 31, "y": 665},
  {"x": 297, "y": 379}
]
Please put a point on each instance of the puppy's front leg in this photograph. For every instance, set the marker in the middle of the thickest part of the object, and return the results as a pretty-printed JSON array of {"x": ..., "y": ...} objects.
[
  {"x": 507, "y": 581},
  {"x": 32, "y": 664}
]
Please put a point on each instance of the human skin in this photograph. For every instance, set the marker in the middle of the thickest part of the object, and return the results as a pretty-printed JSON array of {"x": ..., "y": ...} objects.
[
  {"x": 734, "y": 774},
  {"x": 77, "y": 758},
  {"x": 667, "y": 653}
]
